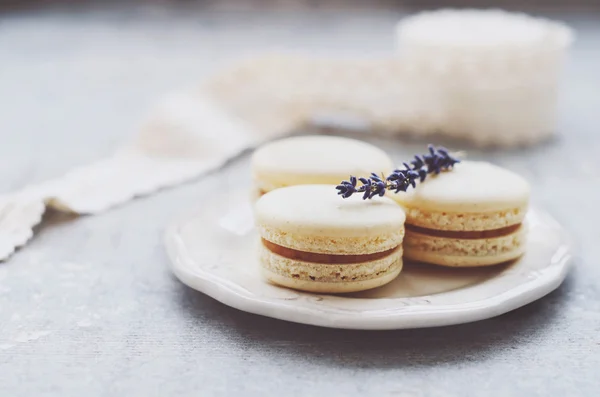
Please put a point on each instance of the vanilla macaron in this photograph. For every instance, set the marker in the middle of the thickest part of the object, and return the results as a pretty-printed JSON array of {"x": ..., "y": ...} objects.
[
  {"x": 318, "y": 159},
  {"x": 313, "y": 240},
  {"x": 469, "y": 216}
]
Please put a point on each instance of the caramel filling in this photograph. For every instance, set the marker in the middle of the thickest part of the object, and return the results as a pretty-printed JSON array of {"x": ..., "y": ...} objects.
[
  {"x": 468, "y": 235},
  {"x": 327, "y": 259}
]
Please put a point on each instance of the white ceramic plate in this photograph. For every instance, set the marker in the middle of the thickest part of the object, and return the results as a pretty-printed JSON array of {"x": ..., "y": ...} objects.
[{"x": 213, "y": 249}]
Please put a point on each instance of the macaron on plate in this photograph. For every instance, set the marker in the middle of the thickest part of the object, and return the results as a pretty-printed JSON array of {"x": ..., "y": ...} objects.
[
  {"x": 313, "y": 241},
  {"x": 446, "y": 252},
  {"x": 314, "y": 159}
]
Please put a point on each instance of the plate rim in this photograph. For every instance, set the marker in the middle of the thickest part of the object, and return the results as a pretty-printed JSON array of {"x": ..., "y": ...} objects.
[{"x": 414, "y": 315}]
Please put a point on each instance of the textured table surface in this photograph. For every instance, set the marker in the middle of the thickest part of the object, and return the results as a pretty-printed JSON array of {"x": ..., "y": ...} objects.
[{"x": 89, "y": 307}]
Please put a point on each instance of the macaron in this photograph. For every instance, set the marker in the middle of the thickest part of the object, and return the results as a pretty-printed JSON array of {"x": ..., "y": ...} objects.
[
  {"x": 469, "y": 216},
  {"x": 313, "y": 240},
  {"x": 314, "y": 159}
]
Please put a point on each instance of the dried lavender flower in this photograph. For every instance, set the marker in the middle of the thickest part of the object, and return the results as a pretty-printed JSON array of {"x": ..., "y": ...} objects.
[{"x": 437, "y": 160}]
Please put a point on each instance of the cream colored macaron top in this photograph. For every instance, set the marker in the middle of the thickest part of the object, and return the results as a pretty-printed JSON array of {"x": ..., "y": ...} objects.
[
  {"x": 315, "y": 160},
  {"x": 471, "y": 187},
  {"x": 317, "y": 210}
]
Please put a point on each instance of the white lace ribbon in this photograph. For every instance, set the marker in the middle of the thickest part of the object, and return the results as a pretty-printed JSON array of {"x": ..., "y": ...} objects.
[{"x": 445, "y": 82}]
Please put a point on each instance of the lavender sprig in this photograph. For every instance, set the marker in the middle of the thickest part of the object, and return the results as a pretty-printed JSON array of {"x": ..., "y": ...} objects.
[{"x": 437, "y": 160}]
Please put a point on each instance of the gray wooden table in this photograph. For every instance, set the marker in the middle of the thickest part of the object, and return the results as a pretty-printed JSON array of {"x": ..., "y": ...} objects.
[{"x": 89, "y": 307}]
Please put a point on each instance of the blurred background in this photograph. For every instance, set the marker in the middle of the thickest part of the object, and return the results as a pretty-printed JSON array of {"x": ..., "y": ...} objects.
[
  {"x": 250, "y": 4},
  {"x": 76, "y": 77}
]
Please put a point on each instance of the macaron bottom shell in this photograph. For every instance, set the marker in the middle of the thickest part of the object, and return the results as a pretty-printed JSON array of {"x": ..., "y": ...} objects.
[
  {"x": 465, "y": 252},
  {"x": 327, "y": 277}
]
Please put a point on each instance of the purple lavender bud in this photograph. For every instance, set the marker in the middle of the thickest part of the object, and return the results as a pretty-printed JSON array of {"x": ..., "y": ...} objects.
[
  {"x": 435, "y": 161},
  {"x": 392, "y": 177},
  {"x": 443, "y": 151}
]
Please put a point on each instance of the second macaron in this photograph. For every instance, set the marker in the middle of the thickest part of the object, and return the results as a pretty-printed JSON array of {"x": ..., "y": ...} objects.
[{"x": 314, "y": 159}]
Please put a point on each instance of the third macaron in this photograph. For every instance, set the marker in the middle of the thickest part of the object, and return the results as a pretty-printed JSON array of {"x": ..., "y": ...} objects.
[{"x": 471, "y": 216}]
